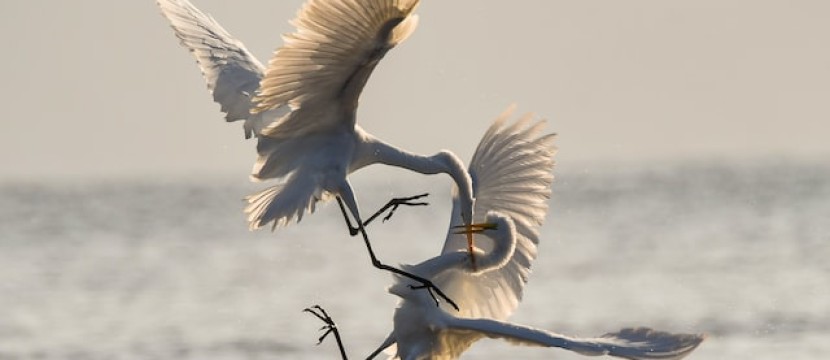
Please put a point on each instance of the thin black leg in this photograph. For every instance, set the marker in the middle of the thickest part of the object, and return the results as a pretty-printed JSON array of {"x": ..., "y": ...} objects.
[
  {"x": 425, "y": 284},
  {"x": 393, "y": 204},
  {"x": 329, "y": 327},
  {"x": 352, "y": 229},
  {"x": 377, "y": 352}
]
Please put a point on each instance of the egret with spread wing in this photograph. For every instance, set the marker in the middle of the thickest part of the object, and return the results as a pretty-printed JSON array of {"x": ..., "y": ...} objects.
[
  {"x": 302, "y": 107},
  {"x": 422, "y": 331},
  {"x": 512, "y": 175}
]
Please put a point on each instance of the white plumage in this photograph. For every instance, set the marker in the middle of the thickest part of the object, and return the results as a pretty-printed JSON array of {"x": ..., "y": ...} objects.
[
  {"x": 512, "y": 175},
  {"x": 512, "y": 172},
  {"x": 302, "y": 107}
]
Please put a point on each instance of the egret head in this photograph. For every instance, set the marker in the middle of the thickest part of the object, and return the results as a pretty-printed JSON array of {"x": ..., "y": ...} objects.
[
  {"x": 499, "y": 228},
  {"x": 476, "y": 228},
  {"x": 496, "y": 226},
  {"x": 464, "y": 183},
  {"x": 453, "y": 166}
]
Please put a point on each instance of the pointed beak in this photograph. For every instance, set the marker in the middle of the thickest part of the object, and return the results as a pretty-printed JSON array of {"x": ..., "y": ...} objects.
[
  {"x": 469, "y": 230},
  {"x": 473, "y": 228}
]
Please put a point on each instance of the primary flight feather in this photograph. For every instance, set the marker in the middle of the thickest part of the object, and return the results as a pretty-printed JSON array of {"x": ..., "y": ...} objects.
[
  {"x": 512, "y": 176},
  {"x": 302, "y": 107}
]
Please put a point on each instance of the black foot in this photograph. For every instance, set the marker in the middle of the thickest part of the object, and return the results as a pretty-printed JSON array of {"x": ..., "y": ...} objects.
[
  {"x": 434, "y": 291},
  {"x": 394, "y": 203},
  {"x": 429, "y": 289},
  {"x": 392, "y": 206},
  {"x": 427, "y": 285},
  {"x": 329, "y": 327}
]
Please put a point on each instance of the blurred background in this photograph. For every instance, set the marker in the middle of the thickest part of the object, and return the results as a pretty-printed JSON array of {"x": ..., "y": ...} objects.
[{"x": 692, "y": 190}]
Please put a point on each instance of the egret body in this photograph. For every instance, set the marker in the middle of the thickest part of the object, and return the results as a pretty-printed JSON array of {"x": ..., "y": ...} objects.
[
  {"x": 512, "y": 176},
  {"x": 302, "y": 107}
]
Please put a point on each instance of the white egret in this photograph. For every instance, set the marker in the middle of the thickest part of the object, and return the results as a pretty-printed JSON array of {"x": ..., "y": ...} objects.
[
  {"x": 302, "y": 107},
  {"x": 512, "y": 175},
  {"x": 422, "y": 331}
]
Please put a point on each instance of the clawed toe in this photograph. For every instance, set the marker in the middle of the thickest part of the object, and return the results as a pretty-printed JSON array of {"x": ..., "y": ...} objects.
[
  {"x": 408, "y": 201},
  {"x": 434, "y": 292},
  {"x": 329, "y": 327},
  {"x": 321, "y": 314}
]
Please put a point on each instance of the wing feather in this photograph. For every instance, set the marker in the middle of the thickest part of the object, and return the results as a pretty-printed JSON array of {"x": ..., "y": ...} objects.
[
  {"x": 512, "y": 171},
  {"x": 632, "y": 343},
  {"x": 232, "y": 73},
  {"x": 327, "y": 60},
  {"x": 297, "y": 196}
]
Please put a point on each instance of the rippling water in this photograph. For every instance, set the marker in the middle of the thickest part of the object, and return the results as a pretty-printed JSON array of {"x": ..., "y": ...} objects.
[{"x": 144, "y": 270}]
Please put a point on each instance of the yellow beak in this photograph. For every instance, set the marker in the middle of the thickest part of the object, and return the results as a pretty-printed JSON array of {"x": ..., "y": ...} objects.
[
  {"x": 469, "y": 230},
  {"x": 474, "y": 228}
]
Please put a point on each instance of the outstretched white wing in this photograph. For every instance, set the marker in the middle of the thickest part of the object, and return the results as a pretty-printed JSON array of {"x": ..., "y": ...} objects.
[
  {"x": 633, "y": 343},
  {"x": 321, "y": 69},
  {"x": 231, "y": 72},
  {"x": 512, "y": 171}
]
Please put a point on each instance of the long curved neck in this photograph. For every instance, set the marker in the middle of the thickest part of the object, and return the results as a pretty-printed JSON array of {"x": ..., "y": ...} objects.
[
  {"x": 504, "y": 246},
  {"x": 377, "y": 151},
  {"x": 384, "y": 153}
]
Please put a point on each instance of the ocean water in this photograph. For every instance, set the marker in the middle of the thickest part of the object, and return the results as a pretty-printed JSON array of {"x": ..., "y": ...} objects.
[{"x": 168, "y": 269}]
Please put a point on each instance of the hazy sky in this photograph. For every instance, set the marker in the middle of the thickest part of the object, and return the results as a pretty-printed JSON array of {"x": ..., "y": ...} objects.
[{"x": 97, "y": 88}]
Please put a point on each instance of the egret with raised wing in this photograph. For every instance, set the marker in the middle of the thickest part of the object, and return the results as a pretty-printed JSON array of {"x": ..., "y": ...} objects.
[
  {"x": 302, "y": 107},
  {"x": 512, "y": 176}
]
